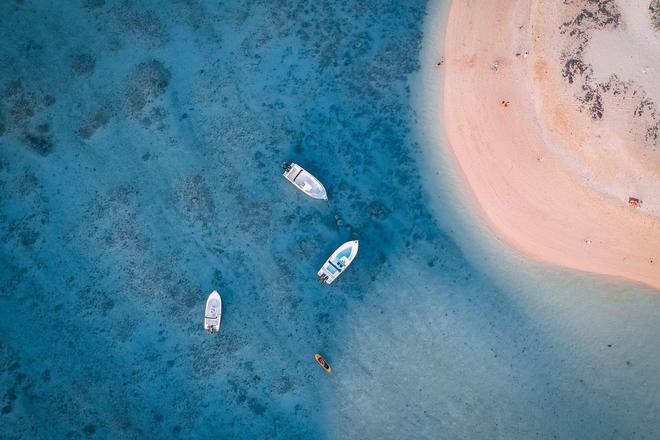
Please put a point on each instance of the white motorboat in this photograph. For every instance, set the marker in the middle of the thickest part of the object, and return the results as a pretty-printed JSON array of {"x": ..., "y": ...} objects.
[
  {"x": 304, "y": 181},
  {"x": 338, "y": 262},
  {"x": 213, "y": 312}
]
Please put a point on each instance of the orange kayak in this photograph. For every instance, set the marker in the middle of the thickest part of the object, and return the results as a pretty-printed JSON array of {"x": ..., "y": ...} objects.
[{"x": 322, "y": 362}]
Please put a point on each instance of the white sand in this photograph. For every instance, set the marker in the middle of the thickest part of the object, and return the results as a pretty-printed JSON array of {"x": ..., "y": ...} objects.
[
  {"x": 630, "y": 51},
  {"x": 552, "y": 179}
]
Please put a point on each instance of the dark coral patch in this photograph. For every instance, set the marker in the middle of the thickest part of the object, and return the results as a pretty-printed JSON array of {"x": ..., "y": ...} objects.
[
  {"x": 41, "y": 144},
  {"x": 89, "y": 430},
  {"x": 92, "y": 123},
  {"x": 654, "y": 9},
  {"x": 93, "y": 4},
  {"x": 147, "y": 81},
  {"x": 83, "y": 63}
]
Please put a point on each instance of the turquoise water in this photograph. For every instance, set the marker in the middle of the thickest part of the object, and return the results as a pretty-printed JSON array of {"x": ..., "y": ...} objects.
[{"x": 140, "y": 154}]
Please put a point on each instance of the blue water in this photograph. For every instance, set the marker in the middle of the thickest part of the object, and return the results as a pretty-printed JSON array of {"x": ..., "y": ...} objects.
[{"x": 140, "y": 154}]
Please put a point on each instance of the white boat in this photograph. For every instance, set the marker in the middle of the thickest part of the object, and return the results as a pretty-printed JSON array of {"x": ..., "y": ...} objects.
[
  {"x": 213, "y": 312},
  {"x": 304, "y": 181},
  {"x": 338, "y": 262}
]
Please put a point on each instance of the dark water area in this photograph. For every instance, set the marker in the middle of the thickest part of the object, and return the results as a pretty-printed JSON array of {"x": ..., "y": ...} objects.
[
  {"x": 141, "y": 156},
  {"x": 140, "y": 153}
]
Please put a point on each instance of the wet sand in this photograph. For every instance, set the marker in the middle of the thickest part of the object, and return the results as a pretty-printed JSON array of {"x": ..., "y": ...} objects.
[{"x": 551, "y": 144}]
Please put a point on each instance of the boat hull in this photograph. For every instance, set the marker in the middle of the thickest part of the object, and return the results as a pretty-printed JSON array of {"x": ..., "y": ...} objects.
[
  {"x": 213, "y": 312},
  {"x": 304, "y": 181},
  {"x": 323, "y": 363},
  {"x": 338, "y": 262}
]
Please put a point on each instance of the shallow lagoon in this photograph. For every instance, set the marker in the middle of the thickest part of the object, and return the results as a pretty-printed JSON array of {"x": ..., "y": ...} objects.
[{"x": 139, "y": 168}]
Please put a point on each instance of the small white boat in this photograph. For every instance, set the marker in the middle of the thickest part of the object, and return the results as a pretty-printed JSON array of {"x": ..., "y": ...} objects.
[
  {"x": 338, "y": 262},
  {"x": 213, "y": 312},
  {"x": 304, "y": 181}
]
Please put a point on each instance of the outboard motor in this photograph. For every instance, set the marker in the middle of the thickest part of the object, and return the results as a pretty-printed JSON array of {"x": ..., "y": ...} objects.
[{"x": 286, "y": 167}]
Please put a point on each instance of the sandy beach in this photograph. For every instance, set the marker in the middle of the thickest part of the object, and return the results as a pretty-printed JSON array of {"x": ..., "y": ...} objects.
[{"x": 551, "y": 112}]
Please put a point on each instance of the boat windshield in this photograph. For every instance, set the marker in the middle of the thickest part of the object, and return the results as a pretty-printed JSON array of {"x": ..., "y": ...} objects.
[{"x": 346, "y": 253}]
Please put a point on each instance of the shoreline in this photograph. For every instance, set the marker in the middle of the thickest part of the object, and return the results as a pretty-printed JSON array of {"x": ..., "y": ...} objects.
[{"x": 523, "y": 188}]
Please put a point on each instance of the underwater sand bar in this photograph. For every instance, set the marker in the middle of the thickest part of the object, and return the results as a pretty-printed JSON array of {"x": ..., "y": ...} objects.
[{"x": 519, "y": 164}]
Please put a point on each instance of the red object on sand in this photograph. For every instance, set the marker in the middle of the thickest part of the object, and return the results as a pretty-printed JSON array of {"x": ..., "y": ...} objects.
[{"x": 633, "y": 202}]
